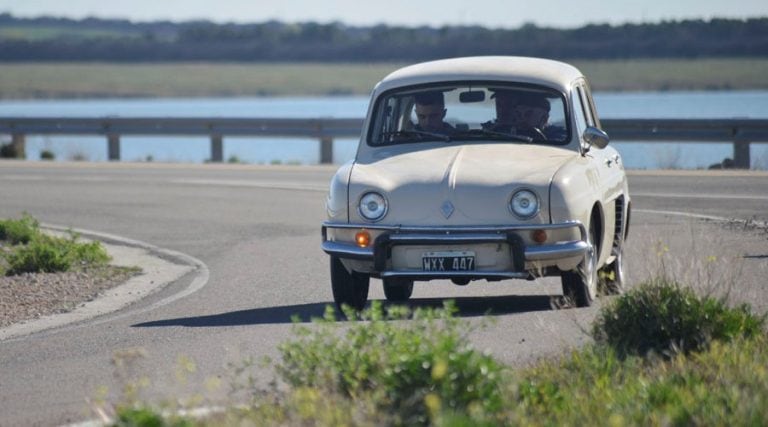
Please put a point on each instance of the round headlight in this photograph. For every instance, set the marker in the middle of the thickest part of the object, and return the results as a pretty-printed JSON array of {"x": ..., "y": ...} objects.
[
  {"x": 373, "y": 206},
  {"x": 524, "y": 204}
]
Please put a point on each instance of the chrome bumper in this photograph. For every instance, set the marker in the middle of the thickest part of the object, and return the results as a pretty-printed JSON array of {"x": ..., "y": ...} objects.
[{"x": 402, "y": 235}]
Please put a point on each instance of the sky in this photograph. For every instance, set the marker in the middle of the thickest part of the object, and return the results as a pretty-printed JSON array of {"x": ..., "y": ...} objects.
[{"x": 435, "y": 13}]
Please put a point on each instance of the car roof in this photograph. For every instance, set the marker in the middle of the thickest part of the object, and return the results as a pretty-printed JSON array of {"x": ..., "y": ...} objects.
[{"x": 555, "y": 74}]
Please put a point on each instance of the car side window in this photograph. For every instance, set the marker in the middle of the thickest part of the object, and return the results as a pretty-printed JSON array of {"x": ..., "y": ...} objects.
[
  {"x": 586, "y": 107},
  {"x": 579, "y": 117}
]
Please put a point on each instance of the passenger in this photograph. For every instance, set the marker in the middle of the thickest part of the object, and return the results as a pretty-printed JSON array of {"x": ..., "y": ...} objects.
[{"x": 430, "y": 112}]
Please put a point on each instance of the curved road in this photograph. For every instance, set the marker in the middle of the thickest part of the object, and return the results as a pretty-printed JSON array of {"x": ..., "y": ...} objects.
[{"x": 257, "y": 231}]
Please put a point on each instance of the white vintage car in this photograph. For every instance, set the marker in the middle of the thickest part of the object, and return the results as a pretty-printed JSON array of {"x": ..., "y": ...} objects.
[{"x": 479, "y": 168}]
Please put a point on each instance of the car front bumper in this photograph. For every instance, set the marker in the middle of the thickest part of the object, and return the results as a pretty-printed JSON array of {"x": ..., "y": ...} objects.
[{"x": 524, "y": 256}]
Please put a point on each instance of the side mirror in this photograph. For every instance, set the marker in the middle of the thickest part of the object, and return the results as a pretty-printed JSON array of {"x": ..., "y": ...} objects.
[{"x": 596, "y": 137}]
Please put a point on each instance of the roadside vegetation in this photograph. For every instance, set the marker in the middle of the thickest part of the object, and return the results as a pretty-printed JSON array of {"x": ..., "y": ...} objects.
[
  {"x": 662, "y": 356},
  {"x": 94, "y": 39},
  {"x": 25, "y": 80},
  {"x": 25, "y": 249}
]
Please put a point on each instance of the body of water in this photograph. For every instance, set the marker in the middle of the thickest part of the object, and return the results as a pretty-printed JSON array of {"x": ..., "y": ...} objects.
[{"x": 716, "y": 105}]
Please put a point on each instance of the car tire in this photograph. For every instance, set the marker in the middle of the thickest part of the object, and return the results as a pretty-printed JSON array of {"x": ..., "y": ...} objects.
[
  {"x": 349, "y": 288},
  {"x": 614, "y": 277},
  {"x": 398, "y": 290},
  {"x": 580, "y": 285}
]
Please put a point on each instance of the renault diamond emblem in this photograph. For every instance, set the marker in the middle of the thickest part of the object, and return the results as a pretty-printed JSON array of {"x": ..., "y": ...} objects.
[{"x": 447, "y": 209}]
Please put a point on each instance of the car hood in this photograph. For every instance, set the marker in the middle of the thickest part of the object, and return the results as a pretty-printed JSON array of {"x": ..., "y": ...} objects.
[{"x": 456, "y": 184}]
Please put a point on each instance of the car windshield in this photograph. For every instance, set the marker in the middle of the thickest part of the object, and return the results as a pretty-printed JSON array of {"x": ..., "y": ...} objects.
[{"x": 470, "y": 111}]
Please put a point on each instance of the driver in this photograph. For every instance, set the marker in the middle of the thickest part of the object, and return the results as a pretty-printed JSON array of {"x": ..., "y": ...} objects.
[
  {"x": 531, "y": 115},
  {"x": 520, "y": 113}
]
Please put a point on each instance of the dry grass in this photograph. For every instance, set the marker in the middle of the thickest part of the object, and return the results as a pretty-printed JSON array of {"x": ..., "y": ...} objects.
[{"x": 77, "y": 79}]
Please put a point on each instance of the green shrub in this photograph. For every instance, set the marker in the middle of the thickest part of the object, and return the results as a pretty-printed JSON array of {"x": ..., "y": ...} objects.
[
  {"x": 145, "y": 417},
  {"x": 19, "y": 231},
  {"x": 8, "y": 151},
  {"x": 47, "y": 155},
  {"x": 47, "y": 254},
  {"x": 666, "y": 318},
  {"x": 410, "y": 365}
]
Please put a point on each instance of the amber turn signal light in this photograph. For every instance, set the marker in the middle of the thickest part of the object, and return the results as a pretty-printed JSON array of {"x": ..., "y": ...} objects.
[
  {"x": 363, "y": 238},
  {"x": 539, "y": 236}
]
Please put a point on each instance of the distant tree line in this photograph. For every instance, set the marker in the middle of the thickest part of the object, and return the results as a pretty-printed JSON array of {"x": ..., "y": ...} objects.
[{"x": 120, "y": 40}]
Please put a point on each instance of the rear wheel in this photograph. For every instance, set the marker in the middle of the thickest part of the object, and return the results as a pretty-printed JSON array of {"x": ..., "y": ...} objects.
[
  {"x": 580, "y": 285},
  {"x": 348, "y": 288},
  {"x": 398, "y": 290}
]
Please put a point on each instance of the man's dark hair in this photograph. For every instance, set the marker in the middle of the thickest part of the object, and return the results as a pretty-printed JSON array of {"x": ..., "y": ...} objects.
[
  {"x": 430, "y": 98},
  {"x": 534, "y": 100}
]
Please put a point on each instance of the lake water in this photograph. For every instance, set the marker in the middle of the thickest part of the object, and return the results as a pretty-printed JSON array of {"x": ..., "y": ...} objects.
[{"x": 737, "y": 104}]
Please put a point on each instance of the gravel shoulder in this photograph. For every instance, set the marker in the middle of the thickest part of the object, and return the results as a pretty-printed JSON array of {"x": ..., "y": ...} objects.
[
  {"x": 31, "y": 303},
  {"x": 31, "y": 296}
]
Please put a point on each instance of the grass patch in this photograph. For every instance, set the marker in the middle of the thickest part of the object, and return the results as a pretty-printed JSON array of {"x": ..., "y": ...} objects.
[
  {"x": 725, "y": 384},
  {"x": 398, "y": 367},
  {"x": 96, "y": 80},
  {"x": 25, "y": 249}
]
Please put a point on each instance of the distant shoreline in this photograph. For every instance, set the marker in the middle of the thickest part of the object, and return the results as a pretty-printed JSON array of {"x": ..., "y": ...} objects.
[{"x": 81, "y": 80}]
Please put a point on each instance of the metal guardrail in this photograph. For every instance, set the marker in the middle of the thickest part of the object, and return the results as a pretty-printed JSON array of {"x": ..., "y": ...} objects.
[{"x": 739, "y": 132}]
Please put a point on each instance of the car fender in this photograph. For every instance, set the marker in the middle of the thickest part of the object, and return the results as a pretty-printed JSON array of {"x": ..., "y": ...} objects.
[
  {"x": 574, "y": 194},
  {"x": 337, "y": 201}
]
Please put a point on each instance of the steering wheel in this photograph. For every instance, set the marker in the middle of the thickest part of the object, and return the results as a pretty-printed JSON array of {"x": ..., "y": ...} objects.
[{"x": 534, "y": 133}]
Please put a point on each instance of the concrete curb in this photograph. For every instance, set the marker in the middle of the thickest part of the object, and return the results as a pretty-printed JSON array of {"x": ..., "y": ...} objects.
[{"x": 160, "y": 267}]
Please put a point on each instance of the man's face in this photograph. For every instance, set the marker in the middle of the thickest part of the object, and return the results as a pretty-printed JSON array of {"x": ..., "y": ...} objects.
[
  {"x": 528, "y": 116},
  {"x": 430, "y": 117}
]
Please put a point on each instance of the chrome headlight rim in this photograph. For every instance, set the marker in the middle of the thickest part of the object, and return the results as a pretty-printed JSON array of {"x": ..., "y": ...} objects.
[
  {"x": 534, "y": 197},
  {"x": 383, "y": 202}
]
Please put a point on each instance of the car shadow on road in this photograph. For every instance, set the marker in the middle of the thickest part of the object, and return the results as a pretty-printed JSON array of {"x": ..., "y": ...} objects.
[{"x": 466, "y": 307}]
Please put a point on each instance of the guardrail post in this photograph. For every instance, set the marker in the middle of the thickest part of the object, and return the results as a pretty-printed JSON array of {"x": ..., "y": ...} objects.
[
  {"x": 741, "y": 158},
  {"x": 18, "y": 143},
  {"x": 217, "y": 148},
  {"x": 113, "y": 147},
  {"x": 326, "y": 150}
]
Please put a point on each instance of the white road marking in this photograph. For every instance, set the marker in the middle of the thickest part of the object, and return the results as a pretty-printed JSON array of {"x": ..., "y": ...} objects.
[
  {"x": 700, "y": 196},
  {"x": 699, "y": 216},
  {"x": 278, "y": 185}
]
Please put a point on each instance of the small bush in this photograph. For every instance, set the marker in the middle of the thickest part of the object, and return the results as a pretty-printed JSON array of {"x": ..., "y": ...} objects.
[
  {"x": 145, "y": 417},
  {"x": 19, "y": 231},
  {"x": 667, "y": 318},
  {"x": 47, "y": 155},
  {"x": 47, "y": 254},
  {"x": 39, "y": 256},
  {"x": 410, "y": 365},
  {"x": 8, "y": 151},
  {"x": 31, "y": 251}
]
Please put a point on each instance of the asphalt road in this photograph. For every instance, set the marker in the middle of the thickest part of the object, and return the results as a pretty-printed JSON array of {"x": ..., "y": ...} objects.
[{"x": 257, "y": 230}]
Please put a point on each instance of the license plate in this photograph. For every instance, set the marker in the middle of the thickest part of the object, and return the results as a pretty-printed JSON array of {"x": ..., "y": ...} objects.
[{"x": 448, "y": 261}]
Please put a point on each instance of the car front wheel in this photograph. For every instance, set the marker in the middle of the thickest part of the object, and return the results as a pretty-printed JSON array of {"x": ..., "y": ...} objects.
[
  {"x": 349, "y": 288},
  {"x": 613, "y": 277},
  {"x": 398, "y": 290},
  {"x": 580, "y": 285}
]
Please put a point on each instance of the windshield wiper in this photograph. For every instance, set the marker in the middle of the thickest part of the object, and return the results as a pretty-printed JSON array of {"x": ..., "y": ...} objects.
[
  {"x": 488, "y": 132},
  {"x": 414, "y": 132}
]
